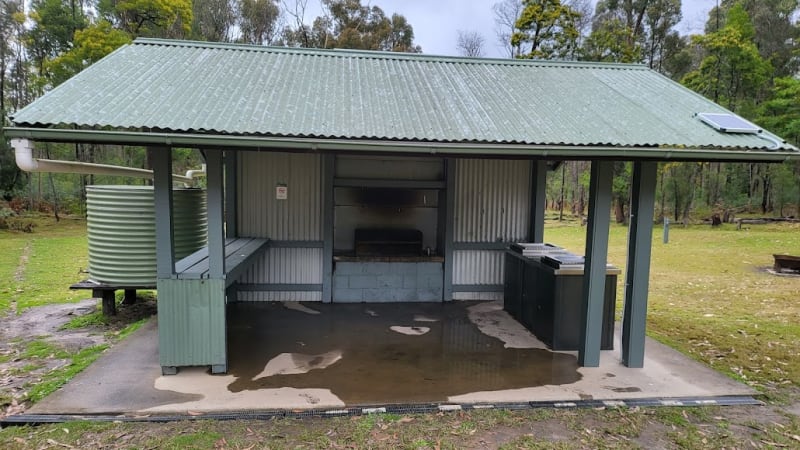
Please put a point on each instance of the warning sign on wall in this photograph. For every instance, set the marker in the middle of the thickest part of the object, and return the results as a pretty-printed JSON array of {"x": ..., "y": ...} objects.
[{"x": 281, "y": 192}]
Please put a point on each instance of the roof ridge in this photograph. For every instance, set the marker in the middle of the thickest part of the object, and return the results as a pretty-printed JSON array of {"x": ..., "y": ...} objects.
[{"x": 374, "y": 54}]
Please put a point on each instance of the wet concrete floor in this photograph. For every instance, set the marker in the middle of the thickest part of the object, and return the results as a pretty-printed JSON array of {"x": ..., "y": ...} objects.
[{"x": 381, "y": 353}]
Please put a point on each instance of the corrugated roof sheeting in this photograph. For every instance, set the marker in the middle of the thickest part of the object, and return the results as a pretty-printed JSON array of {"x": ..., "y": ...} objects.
[{"x": 189, "y": 87}]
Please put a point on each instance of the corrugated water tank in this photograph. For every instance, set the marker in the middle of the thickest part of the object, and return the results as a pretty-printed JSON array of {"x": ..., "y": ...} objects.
[{"x": 122, "y": 236}]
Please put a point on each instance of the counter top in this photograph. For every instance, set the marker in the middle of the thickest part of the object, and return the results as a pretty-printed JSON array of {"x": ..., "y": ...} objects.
[{"x": 610, "y": 270}]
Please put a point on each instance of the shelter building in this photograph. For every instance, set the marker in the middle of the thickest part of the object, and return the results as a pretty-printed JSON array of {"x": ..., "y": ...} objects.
[{"x": 350, "y": 176}]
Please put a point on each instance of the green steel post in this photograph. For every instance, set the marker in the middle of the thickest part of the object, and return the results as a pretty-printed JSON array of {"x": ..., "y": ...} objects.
[
  {"x": 161, "y": 158},
  {"x": 216, "y": 212},
  {"x": 538, "y": 200},
  {"x": 328, "y": 172},
  {"x": 449, "y": 227},
  {"x": 594, "y": 276},
  {"x": 640, "y": 240},
  {"x": 231, "y": 192}
]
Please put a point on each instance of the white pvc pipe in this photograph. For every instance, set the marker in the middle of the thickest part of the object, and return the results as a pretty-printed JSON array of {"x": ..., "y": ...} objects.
[
  {"x": 23, "y": 154},
  {"x": 194, "y": 173}
]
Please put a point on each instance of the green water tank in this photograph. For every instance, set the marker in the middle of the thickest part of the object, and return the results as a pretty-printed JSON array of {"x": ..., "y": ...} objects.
[{"x": 122, "y": 237}]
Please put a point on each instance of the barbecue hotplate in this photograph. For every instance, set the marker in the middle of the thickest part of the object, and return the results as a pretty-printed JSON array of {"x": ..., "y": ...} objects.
[{"x": 388, "y": 242}]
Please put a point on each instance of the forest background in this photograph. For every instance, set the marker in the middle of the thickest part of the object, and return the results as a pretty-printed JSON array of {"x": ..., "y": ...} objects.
[{"x": 746, "y": 60}]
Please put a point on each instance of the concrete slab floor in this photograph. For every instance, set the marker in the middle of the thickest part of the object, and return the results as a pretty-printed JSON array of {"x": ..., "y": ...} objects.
[{"x": 323, "y": 356}]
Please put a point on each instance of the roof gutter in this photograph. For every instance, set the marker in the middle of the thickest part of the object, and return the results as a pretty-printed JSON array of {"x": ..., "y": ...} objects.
[
  {"x": 554, "y": 152},
  {"x": 23, "y": 154}
]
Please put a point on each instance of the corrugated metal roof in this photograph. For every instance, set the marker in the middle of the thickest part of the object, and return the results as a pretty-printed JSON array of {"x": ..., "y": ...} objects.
[{"x": 222, "y": 89}]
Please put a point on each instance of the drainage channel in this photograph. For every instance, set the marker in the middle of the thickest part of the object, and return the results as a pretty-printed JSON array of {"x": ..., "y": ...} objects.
[{"x": 40, "y": 419}]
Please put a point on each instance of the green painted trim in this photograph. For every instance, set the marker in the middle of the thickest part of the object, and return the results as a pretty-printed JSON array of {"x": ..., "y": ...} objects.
[
  {"x": 231, "y": 194},
  {"x": 637, "y": 277},
  {"x": 477, "y": 288},
  {"x": 161, "y": 158},
  {"x": 538, "y": 190},
  {"x": 328, "y": 214},
  {"x": 297, "y": 244},
  {"x": 400, "y": 184},
  {"x": 277, "y": 287},
  {"x": 594, "y": 276},
  {"x": 482, "y": 149},
  {"x": 215, "y": 198},
  {"x": 449, "y": 228}
]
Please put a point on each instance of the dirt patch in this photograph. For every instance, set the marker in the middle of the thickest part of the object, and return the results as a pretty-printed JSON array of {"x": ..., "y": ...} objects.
[{"x": 44, "y": 326}]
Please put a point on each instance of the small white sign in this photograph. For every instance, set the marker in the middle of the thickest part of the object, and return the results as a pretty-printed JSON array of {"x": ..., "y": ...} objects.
[{"x": 281, "y": 192}]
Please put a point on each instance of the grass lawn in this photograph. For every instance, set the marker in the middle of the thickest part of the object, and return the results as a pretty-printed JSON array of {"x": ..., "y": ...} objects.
[
  {"x": 37, "y": 268},
  {"x": 710, "y": 297}
]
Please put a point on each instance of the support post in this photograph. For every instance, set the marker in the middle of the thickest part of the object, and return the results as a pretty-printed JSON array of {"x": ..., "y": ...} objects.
[
  {"x": 231, "y": 194},
  {"x": 216, "y": 211},
  {"x": 594, "y": 276},
  {"x": 161, "y": 159},
  {"x": 328, "y": 172},
  {"x": 449, "y": 226},
  {"x": 538, "y": 200},
  {"x": 640, "y": 240},
  {"x": 130, "y": 297}
]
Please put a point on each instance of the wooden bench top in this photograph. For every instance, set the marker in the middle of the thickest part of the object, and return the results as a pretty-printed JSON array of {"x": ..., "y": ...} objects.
[{"x": 239, "y": 254}]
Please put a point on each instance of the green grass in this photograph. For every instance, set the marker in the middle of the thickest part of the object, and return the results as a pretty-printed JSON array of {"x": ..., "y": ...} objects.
[
  {"x": 56, "y": 253},
  {"x": 95, "y": 319},
  {"x": 53, "y": 380}
]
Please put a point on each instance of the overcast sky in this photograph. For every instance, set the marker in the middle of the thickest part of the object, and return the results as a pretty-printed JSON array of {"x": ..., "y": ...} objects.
[{"x": 436, "y": 22}]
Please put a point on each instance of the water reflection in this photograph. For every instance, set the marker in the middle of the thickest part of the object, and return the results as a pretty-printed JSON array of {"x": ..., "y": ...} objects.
[{"x": 378, "y": 365}]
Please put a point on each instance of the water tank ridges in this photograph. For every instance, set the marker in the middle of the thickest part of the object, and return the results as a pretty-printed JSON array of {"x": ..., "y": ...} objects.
[{"x": 121, "y": 228}]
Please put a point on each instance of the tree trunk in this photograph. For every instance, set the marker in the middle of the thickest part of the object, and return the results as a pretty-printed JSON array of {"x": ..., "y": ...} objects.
[{"x": 561, "y": 201}]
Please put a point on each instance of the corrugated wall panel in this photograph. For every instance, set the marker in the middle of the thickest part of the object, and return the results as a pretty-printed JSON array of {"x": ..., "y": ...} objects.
[
  {"x": 478, "y": 267},
  {"x": 191, "y": 322},
  {"x": 299, "y": 217},
  {"x": 284, "y": 266},
  {"x": 492, "y": 200}
]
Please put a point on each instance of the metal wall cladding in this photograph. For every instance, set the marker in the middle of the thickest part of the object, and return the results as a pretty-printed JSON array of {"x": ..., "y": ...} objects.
[
  {"x": 298, "y": 218},
  {"x": 121, "y": 231},
  {"x": 191, "y": 322},
  {"x": 482, "y": 267},
  {"x": 261, "y": 214},
  {"x": 284, "y": 266},
  {"x": 492, "y": 200}
]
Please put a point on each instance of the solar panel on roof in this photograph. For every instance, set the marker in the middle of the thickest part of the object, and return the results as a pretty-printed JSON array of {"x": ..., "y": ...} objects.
[{"x": 728, "y": 123}]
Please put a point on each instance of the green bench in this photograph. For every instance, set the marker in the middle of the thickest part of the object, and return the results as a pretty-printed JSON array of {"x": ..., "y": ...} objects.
[{"x": 240, "y": 253}]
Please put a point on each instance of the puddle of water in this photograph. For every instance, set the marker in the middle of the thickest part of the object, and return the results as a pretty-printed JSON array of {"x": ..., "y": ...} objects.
[
  {"x": 378, "y": 365},
  {"x": 410, "y": 331}
]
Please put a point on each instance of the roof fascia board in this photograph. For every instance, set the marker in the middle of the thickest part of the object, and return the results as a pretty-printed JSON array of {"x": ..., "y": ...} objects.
[{"x": 554, "y": 152}]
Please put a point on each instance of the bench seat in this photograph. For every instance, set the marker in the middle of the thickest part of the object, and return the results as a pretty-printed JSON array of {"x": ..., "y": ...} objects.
[{"x": 240, "y": 253}]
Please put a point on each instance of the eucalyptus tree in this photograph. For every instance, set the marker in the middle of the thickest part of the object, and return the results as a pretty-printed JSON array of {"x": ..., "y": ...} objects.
[
  {"x": 214, "y": 20},
  {"x": 349, "y": 24},
  {"x": 258, "y": 21},
  {"x": 148, "y": 18},
  {"x": 546, "y": 29}
]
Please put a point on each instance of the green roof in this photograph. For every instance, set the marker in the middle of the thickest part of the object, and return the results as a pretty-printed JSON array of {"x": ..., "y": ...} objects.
[{"x": 197, "y": 93}]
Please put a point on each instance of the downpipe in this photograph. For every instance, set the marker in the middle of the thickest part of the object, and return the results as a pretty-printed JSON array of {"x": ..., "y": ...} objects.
[{"x": 23, "y": 155}]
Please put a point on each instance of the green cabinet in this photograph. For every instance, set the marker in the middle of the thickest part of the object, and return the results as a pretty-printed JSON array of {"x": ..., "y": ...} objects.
[{"x": 548, "y": 301}]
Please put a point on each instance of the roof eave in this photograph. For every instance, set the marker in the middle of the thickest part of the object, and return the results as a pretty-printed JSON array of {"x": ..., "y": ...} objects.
[{"x": 503, "y": 150}]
